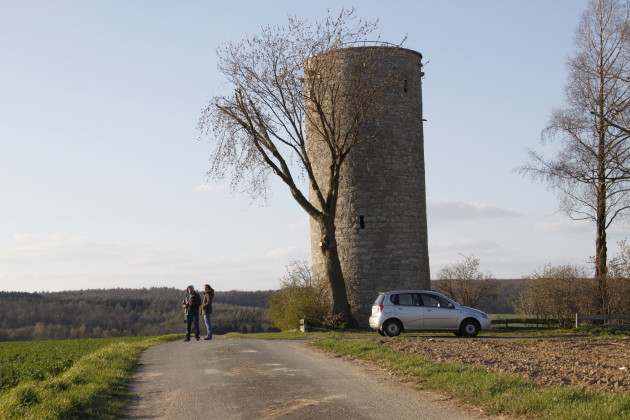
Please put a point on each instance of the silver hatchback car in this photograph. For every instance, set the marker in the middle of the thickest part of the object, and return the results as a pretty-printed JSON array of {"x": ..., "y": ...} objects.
[{"x": 423, "y": 310}]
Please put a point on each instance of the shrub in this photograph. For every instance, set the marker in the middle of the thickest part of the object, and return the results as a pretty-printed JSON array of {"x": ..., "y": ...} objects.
[
  {"x": 618, "y": 282},
  {"x": 298, "y": 298},
  {"x": 556, "y": 293}
]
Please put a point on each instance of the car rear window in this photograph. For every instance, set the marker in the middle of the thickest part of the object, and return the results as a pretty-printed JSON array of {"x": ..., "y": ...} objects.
[{"x": 379, "y": 299}]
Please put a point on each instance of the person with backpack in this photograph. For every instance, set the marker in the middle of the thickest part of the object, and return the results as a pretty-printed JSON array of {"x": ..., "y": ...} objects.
[{"x": 191, "y": 304}]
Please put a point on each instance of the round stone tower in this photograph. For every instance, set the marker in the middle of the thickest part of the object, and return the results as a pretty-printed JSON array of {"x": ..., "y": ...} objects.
[{"x": 381, "y": 220}]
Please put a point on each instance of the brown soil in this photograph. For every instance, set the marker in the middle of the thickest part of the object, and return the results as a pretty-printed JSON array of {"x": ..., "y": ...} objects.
[{"x": 598, "y": 364}]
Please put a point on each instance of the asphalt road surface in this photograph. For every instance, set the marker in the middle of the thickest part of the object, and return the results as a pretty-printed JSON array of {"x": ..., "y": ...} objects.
[{"x": 268, "y": 379}]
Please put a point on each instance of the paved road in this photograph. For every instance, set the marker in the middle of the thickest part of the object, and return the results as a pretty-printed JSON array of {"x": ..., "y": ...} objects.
[{"x": 260, "y": 379}]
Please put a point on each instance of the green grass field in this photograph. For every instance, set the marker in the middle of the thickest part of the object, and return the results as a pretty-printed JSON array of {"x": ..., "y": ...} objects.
[
  {"x": 68, "y": 379},
  {"x": 88, "y": 378}
]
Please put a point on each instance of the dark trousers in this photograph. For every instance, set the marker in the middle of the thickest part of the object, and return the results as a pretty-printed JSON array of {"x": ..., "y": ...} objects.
[{"x": 192, "y": 320}]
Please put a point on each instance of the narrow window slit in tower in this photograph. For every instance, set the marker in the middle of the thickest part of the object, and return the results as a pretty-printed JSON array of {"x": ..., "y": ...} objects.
[
  {"x": 405, "y": 85},
  {"x": 361, "y": 222}
]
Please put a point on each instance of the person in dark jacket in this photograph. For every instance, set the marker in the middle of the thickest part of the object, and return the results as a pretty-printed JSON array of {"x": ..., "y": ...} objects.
[
  {"x": 206, "y": 310},
  {"x": 191, "y": 304}
]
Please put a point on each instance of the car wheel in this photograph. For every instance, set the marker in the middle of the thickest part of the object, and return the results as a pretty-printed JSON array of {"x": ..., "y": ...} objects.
[
  {"x": 392, "y": 328},
  {"x": 381, "y": 333},
  {"x": 469, "y": 328}
]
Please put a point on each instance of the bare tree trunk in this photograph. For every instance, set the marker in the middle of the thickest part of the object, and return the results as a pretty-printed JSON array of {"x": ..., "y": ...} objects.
[
  {"x": 601, "y": 197},
  {"x": 601, "y": 268},
  {"x": 334, "y": 275}
]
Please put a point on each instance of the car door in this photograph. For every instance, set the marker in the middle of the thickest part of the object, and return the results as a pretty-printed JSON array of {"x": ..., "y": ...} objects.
[
  {"x": 407, "y": 308},
  {"x": 438, "y": 315}
]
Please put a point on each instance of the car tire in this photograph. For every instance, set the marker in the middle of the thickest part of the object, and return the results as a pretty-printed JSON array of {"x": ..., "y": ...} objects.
[
  {"x": 381, "y": 333},
  {"x": 469, "y": 328},
  {"x": 392, "y": 328}
]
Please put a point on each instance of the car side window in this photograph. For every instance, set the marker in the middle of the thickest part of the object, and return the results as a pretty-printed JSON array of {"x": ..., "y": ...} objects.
[
  {"x": 434, "y": 301},
  {"x": 405, "y": 299}
]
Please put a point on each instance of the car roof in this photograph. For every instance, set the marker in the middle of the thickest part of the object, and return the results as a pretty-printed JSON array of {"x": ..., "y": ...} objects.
[{"x": 411, "y": 291}]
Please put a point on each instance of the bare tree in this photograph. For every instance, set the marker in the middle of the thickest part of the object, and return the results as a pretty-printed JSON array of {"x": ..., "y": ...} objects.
[
  {"x": 464, "y": 282},
  {"x": 591, "y": 169},
  {"x": 555, "y": 293},
  {"x": 260, "y": 127}
]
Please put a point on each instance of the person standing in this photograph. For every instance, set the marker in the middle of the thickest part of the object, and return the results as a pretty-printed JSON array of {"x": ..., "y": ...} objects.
[
  {"x": 206, "y": 310},
  {"x": 191, "y": 304}
]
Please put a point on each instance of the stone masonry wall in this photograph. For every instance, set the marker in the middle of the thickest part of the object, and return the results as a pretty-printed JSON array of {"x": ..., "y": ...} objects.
[{"x": 381, "y": 220}]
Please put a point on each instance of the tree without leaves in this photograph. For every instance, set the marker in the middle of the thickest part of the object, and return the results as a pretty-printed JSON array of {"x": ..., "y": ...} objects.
[
  {"x": 464, "y": 282},
  {"x": 298, "y": 274},
  {"x": 591, "y": 170},
  {"x": 260, "y": 128},
  {"x": 556, "y": 293}
]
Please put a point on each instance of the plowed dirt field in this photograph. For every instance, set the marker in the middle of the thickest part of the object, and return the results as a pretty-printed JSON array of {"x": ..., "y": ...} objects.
[{"x": 599, "y": 364}]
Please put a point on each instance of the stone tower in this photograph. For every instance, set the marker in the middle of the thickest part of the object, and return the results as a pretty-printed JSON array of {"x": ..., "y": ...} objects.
[{"x": 381, "y": 221}]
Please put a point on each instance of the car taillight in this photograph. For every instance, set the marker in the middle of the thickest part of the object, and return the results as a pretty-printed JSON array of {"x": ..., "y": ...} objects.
[{"x": 380, "y": 308}]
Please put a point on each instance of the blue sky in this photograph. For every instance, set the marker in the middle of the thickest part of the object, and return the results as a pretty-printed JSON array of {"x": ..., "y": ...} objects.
[{"x": 102, "y": 174}]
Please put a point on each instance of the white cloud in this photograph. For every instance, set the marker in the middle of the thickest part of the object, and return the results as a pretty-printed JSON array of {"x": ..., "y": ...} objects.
[
  {"x": 24, "y": 236},
  {"x": 55, "y": 248},
  {"x": 286, "y": 253},
  {"x": 462, "y": 245},
  {"x": 66, "y": 262},
  {"x": 574, "y": 227},
  {"x": 444, "y": 209}
]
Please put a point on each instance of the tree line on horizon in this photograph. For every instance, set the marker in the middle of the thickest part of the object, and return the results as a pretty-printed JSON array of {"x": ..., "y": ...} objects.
[
  {"x": 552, "y": 293},
  {"x": 122, "y": 312}
]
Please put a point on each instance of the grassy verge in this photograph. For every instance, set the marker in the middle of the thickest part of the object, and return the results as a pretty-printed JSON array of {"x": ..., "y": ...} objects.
[
  {"x": 95, "y": 386},
  {"x": 495, "y": 393},
  {"x": 495, "y": 332}
]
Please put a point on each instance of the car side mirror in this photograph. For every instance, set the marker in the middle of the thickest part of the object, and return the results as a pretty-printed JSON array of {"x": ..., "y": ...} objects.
[{"x": 451, "y": 306}]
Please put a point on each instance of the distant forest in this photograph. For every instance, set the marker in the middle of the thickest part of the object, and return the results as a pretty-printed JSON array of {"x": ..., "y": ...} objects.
[
  {"x": 501, "y": 303},
  {"x": 155, "y": 311},
  {"x": 122, "y": 312}
]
